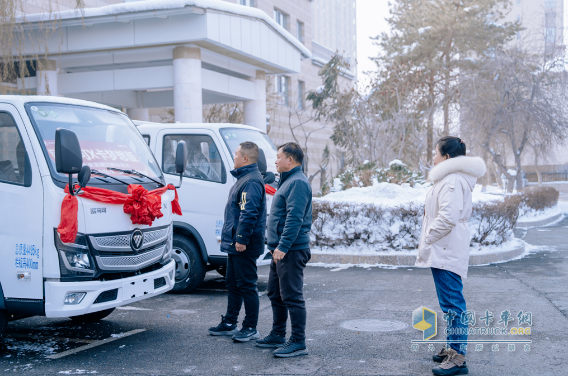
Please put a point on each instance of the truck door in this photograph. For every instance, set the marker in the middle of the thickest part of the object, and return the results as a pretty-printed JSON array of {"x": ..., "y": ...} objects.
[
  {"x": 21, "y": 210},
  {"x": 206, "y": 182}
]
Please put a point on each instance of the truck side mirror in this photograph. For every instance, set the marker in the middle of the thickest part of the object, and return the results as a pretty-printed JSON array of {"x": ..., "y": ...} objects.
[
  {"x": 262, "y": 162},
  {"x": 84, "y": 176},
  {"x": 68, "y": 157},
  {"x": 269, "y": 178},
  {"x": 181, "y": 160}
]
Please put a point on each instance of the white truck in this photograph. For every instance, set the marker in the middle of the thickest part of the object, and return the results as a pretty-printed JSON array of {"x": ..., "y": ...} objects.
[
  {"x": 204, "y": 192},
  {"x": 44, "y": 141}
]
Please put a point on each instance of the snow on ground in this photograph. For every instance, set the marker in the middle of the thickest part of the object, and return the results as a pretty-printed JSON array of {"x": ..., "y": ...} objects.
[
  {"x": 391, "y": 195},
  {"x": 45, "y": 348},
  {"x": 509, "y": 245},
  {"x": 384, "y": 194},
  {"x": 532, "y": 215},
  {"x": 360, "y": 249}
]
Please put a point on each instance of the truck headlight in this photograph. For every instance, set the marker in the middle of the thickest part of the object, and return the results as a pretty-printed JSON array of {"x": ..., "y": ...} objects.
[
  {"x": 169, "y": 244},
  {"x": 74, "y": 298},
  {"x": 74, "y": 258}
]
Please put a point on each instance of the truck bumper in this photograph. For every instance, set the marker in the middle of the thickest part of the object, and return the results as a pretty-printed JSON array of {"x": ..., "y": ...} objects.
[{"x": 127, "y": 290}]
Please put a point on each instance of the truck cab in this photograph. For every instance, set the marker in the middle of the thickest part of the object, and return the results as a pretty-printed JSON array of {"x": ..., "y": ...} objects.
[
  {"x": 205, "y": 189},
  {"x": 112, "y": 261}
]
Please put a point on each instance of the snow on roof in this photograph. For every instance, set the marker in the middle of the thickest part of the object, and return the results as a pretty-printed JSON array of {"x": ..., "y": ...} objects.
[
  {"x": 148, "y": 124},
  {"x": 22, "y": 99},
  {"x": 157, "y": 5}
]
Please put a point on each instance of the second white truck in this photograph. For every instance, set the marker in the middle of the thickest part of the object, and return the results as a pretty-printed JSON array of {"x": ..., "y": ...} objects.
[{"x": 203, "y": 195}]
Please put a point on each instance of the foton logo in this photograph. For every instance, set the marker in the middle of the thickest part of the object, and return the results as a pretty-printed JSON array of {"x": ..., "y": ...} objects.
[{"x": 136, "y": 240}]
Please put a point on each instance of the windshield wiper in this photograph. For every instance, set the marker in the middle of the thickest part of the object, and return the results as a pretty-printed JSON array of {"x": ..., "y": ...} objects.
[
  {"x": 96, "y": 172},
  {"x": 134, "y": 172}
]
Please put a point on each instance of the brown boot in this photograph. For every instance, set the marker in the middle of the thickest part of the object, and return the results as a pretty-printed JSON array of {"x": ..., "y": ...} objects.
[
  {"x": 439, "y": 358},
  {"x": 454, "y": 364}
]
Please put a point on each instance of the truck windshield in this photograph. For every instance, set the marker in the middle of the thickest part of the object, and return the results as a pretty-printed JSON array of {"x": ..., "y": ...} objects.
[
  {"x": 235, "y": 136},
  {"x": 107, "y": 139}
]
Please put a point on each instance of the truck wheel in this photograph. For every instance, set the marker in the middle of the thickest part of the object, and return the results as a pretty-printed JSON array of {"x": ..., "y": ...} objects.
[
  {"x": 222, "y": 270},
  {"x": 92, "y": 317},
  {"x": 3, "y": 322},
  {"x": 190, "y": 269}
]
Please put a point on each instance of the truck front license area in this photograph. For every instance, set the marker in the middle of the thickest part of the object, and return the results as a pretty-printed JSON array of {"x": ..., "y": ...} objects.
[{"x": 66, "y": 299}]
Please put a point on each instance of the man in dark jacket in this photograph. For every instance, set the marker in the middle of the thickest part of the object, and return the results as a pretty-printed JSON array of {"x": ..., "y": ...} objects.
[
  {"x": 289, "y": 227},
  {"x": 243, "y": 239}
]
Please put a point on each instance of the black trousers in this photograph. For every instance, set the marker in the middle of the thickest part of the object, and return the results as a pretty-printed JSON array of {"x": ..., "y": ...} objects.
[
  {"x": 285, "y": 291},
  {"x": 241, "y": 282}
]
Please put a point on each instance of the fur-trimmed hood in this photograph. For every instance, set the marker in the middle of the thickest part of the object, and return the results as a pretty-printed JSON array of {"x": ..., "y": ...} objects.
[{"x": 470, "y": 166}]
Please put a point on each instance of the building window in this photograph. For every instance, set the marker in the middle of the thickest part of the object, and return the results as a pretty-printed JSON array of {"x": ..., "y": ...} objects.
[
  {"x": 518, "y": 2},
  {"x": 282, "y": 88},
  {"x": 548, "y": 4},
  {"x": 281, "y": 18},
  {"x": 300, "y": 31},
  {"x": 550, "y": 35},
  {"x": 301, "y": 88},
  {"x": 248, "y": 3}
]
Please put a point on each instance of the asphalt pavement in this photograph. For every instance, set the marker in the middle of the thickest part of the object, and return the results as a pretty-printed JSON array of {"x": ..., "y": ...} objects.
[{"x": 167, "y": 335}]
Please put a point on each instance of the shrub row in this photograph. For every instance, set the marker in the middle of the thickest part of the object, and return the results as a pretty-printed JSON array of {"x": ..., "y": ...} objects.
[
  {"x": 378, "y": 228},
  {"x": 539, "y": 198}
]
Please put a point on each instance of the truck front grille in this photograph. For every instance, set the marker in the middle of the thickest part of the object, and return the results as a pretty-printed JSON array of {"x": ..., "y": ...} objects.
[
  {"x": 121, "y": 242},
  {"x": 136, "y": 261}
]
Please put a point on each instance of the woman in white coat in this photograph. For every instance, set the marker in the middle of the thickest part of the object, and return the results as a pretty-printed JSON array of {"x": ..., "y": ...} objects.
[{"x": 444, "y": 242}]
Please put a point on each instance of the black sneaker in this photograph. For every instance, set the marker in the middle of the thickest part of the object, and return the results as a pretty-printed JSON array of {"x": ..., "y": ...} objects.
[
  {"x": 246, "y": 334},
  {"x": 225, "y": 328},
  {"x": 271, "y": 341},
  {"x": 291, "y": 348}
]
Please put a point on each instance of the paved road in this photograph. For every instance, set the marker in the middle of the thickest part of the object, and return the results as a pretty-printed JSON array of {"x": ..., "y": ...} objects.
[{"x": 175, "y": 341}]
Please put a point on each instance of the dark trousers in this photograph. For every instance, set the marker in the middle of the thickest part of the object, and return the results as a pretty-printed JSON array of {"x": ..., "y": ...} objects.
[
  {"x": 285, "y": 291},
  {"x": 449, "y": 288},
  {"x": 241, "y": 280}
]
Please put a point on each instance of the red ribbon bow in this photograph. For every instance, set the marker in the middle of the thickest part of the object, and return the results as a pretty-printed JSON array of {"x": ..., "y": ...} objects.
[{"x": 143, "y": 206}]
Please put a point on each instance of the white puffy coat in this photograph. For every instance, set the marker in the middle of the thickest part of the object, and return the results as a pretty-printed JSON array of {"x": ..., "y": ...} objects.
[{"x": 445, "y": 238}]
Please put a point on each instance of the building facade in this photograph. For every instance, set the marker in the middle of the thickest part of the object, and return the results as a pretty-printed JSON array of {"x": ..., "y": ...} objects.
[
  {"x": 154, "y": 58},
  {"x": 325, "y": 27},
  {"x": 542, "y": 22}
]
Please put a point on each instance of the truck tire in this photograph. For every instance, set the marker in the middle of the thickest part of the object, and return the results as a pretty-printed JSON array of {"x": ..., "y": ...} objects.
[
  {"x": 190, "y": 268},
  {"x": 3, "y": 322},
  {"x": 92, "y": 317}
]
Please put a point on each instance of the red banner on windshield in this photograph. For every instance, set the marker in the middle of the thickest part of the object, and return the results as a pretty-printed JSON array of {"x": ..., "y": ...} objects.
[{"x": 100, "y": 155}]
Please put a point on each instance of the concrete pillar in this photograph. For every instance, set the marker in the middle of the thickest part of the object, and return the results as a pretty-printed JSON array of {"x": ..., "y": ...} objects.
[
  {"x": 188, "y": 102},
  {"x": 46, "y": 77},
  {"x": 139, "y": 114},
  {"x": 255, "y": 111}
]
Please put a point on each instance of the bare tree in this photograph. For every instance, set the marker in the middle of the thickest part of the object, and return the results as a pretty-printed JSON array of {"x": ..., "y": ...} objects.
[
  {"x": 376, "y": 127},
  {"x": 16, "y": 62},
  {"x": 516, "y": 98}
]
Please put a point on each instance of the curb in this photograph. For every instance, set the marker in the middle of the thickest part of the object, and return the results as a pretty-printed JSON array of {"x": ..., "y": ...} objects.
[
  {"x": 409, "y": 260},
  {"x": 543, "y": 222}
]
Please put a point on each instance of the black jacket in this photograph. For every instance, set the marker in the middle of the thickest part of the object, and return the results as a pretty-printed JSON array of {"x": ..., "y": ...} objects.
[
  {"x": 290, "y": 219},
  {"x": 245, "y": 213}
]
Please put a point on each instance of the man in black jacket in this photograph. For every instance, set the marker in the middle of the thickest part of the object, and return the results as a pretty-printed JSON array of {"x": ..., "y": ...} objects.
[
  {"x": 243, "y": 239},
  {"x": 289, "y": 226}
]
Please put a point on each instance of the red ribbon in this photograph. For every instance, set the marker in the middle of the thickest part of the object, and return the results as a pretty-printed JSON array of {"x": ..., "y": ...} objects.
[
  {"x": 270, "y": 190},
  {"x": 143, "y": 206}
]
